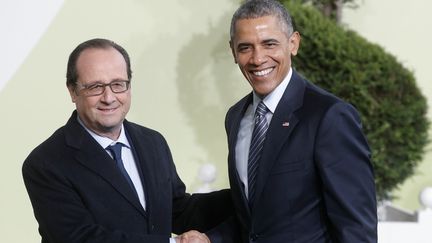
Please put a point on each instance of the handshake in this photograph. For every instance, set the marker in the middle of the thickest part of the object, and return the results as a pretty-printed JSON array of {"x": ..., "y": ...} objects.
[{"x": 192, "y": 236}]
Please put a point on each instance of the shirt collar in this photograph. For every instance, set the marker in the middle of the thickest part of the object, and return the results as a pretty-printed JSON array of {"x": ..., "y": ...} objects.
[
  {"x": 104, "y": 141},
  {"x": 272, "y": 100}
]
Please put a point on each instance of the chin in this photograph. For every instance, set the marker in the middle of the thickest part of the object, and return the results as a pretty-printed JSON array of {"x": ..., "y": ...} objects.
[
  {"x": 263, "y": 91},
  {"x": 109, "y": 125}
]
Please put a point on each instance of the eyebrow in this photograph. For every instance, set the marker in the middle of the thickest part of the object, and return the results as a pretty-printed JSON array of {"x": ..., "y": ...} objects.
[
  {"x": 243, "y": 44},
  {"x": 100, "y": 82},
  {"x": 262, "y": 42},
  {"x": 270, "y": 40}
]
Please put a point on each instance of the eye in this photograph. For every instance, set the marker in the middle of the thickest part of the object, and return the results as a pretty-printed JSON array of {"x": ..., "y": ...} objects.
[
  {"x": 94, "y": 87},
  {"x": 270, "y": 44},
  {"x": 118, "y": 84},
  {"x": 243, "y": 48}
]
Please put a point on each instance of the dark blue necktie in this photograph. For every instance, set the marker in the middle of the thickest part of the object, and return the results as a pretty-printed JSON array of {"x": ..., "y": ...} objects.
[
  {"x": 116, "y": 153},
  {"x": 257, "y": 141}
]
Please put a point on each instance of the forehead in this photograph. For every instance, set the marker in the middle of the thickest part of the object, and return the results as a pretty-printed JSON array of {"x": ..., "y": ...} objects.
[
  {"x": 98, "y": 55},
  {"x": 261, "y": 27},
  {"x": 101, "y": 63}
]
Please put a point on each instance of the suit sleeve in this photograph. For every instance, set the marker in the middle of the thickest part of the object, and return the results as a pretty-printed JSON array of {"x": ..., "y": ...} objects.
[
  {"x": 229, "y": 230},
  {"x": 342, "y": 157},
  {"x": 62, "y": 215},
  {"x": 226, "y": 232},
  {"x": 199, "y": 211}
]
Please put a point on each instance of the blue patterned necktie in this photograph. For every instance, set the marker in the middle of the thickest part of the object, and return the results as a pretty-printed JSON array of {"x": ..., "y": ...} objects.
[
  {"x": 116, "y": 153},
  {"x": 257, "y": 141}
]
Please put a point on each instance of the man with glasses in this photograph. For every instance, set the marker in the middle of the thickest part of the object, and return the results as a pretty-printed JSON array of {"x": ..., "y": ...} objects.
[{"x": 101, "y": 178}]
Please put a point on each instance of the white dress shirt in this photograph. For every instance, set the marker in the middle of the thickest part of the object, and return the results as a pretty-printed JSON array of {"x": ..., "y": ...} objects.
[
  {"x": 127, "y": 157},
  {"x": 244, "y": 135}
]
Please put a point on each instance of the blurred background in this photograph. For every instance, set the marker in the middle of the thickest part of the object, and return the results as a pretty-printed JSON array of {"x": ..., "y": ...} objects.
[{"x": 184, "y": 80}]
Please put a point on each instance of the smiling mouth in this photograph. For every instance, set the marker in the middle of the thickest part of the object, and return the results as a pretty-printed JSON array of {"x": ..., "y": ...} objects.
[
  {"x": 107, "y": 109},
  {"x": 262, "y": 72}
]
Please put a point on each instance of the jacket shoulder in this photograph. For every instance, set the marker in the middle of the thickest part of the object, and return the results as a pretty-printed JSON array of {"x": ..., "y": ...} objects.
[
  {"x": 134, "y": 128},
  {"x": 240, "y": 105},
  {"x": 49, "y": 150},
  {"x": 319, "y": 100}
]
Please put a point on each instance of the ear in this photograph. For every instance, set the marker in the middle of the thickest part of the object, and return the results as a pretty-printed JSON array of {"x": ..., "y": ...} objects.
[
  {"x": 72, "y": 93},
  {"x": 233, "y": 51},
  {"x": 294, "y": 43}
]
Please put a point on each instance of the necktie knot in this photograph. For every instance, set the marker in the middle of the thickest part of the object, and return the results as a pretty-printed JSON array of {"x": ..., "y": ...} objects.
[
  {"x": 117, "y": 156},
  {"x": 116, "y": 151},
  {"x": 261, "y": 109}
]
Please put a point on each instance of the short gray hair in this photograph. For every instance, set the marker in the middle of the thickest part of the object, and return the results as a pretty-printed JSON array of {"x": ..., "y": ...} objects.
[{"x": 251, "y": 9}]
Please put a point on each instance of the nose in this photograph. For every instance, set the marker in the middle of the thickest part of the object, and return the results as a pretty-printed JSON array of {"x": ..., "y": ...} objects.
[
  {"x": 258, "y": 57},
  {"x": 108, "y": 96}
]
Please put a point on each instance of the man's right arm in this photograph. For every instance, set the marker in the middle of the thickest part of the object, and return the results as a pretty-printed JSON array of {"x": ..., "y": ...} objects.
[{"x": 61, "y": 213}]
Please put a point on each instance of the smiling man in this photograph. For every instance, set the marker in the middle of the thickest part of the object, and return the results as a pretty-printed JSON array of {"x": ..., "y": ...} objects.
[
  {"x": 101, "y": 178},
  {"x": 299, "y": 164}
]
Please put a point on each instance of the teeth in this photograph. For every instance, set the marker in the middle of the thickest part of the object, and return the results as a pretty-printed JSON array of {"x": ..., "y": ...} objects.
[{"x": 263, "y": 72}]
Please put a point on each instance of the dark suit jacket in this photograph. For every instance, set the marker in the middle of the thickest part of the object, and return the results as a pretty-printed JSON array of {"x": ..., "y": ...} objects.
[
  {"x": 315, "y": 182},
  {"x": 78, "y": 195}
]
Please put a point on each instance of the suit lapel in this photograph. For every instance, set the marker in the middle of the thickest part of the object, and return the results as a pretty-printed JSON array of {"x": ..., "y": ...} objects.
[
  {"x": 91, "y": 155},
  {"x": 281, "y": 126},
  {"x": 233, "y": 130},
  {"x": 144, "y": 159}
]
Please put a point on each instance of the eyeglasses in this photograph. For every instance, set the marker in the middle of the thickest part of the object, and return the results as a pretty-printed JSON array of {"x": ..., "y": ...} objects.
[{"x": 118, "y": 86}]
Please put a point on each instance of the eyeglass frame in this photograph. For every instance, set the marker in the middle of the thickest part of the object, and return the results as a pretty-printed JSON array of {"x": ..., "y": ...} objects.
[{"x": 103, "y": 86}]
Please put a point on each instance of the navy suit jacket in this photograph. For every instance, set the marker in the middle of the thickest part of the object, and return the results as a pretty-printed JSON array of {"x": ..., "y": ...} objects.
[
  {"x": 315, "y": 181},
  {"x": 78, "y": 194}
]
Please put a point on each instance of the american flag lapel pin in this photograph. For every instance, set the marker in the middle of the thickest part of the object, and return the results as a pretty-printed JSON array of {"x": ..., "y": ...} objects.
[{"x": 285, "y": 124}]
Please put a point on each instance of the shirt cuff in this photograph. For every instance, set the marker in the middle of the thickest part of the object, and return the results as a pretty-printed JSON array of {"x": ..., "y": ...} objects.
[{"x": 172, "y": 240}]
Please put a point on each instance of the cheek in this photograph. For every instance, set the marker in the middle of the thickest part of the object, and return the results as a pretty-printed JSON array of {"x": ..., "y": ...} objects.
[
  {"x": 284, "y": 59},
  {"x": 125, "y": 100},
  {"x": 242, "y": 59},
  {"x": 87, "y": 103},
  {"x": 281, "y": 55}
]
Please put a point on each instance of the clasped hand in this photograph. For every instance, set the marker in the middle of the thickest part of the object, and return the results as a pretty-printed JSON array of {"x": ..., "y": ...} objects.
[{"x": 192, "y": 236}]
